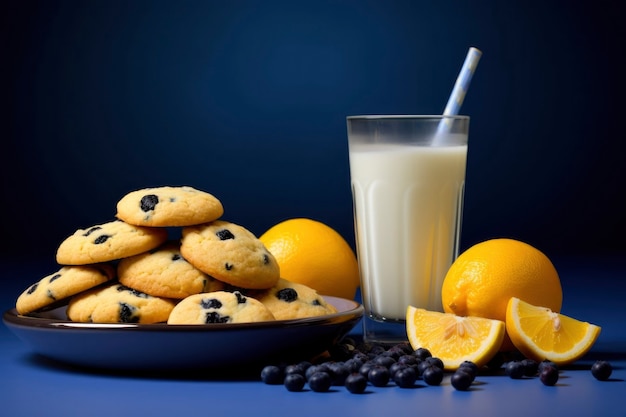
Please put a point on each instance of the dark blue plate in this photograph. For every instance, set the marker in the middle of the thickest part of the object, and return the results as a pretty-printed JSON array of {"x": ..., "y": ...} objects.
[{"x": 180, "y": 347}]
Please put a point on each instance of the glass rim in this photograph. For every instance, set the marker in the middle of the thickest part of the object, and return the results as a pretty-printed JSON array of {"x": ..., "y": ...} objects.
[{"x": 406, "y": 116}]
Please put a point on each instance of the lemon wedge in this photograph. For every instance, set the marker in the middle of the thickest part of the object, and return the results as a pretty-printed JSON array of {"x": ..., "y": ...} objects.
[
  {"x": 539, "y": 333},
  {"x": 454, "y": 339}
]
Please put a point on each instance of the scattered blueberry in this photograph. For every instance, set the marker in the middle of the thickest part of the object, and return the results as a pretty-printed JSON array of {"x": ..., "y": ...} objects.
[
  {"x": 530, "y": 367},
  {"x": 549, "y": 375},
  {"x": 514, "y": 369},
  {"x": 434, "y": 361},
  {"x": 422, "y": 353},
  {"x": 313, "y": 369},
  {"x": 320, "y": 382},
  {"x": 385, "y": 361},
  {"x": 365, "y": 368},
  {"x": 339, "y": 373},
  {"x": 544, "y": 363},
  {"x": 601, "y": 370},
  {"x": 272, "y": 375},
  {"x": 378, "y": 376},
  {"x": 432, "y": 375},
  {"x": 396, "y": 367},
  {"x": 294, "y": 369},
  {"x": 470, "y": 367},
  {"x": 408, "y": 359},
  {"x": 294, "y": 382},
  {"x": 405, "y": 378},
  {"x": 357, "y": 366},
  {"x": 354, "y": 364},
  {"x": 422, "y": 366},
  {"x": 461, "y": 380},
  {"x": 356, "y": 383}
]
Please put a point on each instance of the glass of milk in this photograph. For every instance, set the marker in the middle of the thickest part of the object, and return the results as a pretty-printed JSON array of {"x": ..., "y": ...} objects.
[{"x": 408, "y": 177}]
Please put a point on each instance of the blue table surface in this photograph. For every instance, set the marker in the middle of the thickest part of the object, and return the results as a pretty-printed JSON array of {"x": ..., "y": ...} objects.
[{"x": 594, "y": 290}]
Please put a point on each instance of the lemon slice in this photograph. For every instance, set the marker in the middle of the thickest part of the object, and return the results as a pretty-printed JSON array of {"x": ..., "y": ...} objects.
[
  {"x": 452, "y": 338},
  {"x": 539, "y": 333}
]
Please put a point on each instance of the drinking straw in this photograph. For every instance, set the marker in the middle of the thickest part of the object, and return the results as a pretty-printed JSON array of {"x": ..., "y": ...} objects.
[{"x": 460, "y": 86}]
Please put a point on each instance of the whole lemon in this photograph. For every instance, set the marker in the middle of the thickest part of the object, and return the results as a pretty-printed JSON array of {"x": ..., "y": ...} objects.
[
  {"x": 483, "y": 278},
  {"x": 312, "y": 253}
]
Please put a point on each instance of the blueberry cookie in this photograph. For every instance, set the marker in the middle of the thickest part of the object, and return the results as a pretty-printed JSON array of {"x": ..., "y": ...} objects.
[
  {"x": 219, "y": 307},
  {"x": 164, "y": 272},
  {"x": 290, "y": 300},
  {"x": 231, "y": 254},
  {"x": 117, "y": 303},
  {"x": 66, "y": 282},
  {"x": 169, "y": 207},
  {"x": 107, "y": 242}
]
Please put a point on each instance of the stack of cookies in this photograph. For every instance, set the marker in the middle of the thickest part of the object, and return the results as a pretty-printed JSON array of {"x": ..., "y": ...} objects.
[{"x": 129, "y": 271}]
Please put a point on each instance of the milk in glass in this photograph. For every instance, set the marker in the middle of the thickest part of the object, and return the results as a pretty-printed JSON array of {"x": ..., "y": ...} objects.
[{"x": 408, "y": 202}]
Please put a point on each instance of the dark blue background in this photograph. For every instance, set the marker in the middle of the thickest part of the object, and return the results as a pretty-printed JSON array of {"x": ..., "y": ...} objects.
[{"x": 248, "y": 99}]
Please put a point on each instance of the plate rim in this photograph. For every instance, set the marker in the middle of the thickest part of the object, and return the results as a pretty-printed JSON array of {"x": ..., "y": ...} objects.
[{"x": 12, "y": 318}]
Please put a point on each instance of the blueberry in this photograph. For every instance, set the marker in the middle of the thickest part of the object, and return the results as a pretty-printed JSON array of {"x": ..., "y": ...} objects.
[
  {"x": 376, "y": 350},
  {"x": 360, "y": 356},
  {"x": 272, "y": 375},
  {"x": 133, "y": 291},
  {"x": 408, "y": 359},
  {"x": 601, "y": 370},
  {"x": 91, "y": 230},
  {"x": 320, "y": 382},
  {"x": 287, "y": 294},
  {"x": 294, "y": 369},
  {"x": 148, "y": 202},
  {"x": 385, "y": 361},
  {"x": 294, "y": 382},
  {"x": 405, "y": 377},
  {"x": 354, "y": 364},
  {"x": 32, "y": 288},
  {"x": 544, "y": 363},
  {"x": 241, "y": 299},
  {"x": 379, "y": 376},
  {"x": 224, "y": 234},
  {"x": 422, "y": 353},
  {"x": 215, "y": 317},
  {"x": 461, "y": 380},
  {"x": 208, "y": 303},
  {"x": 339, "y": 372},
  {"x": 427, "y": 363},
  {"x": 395, "y": 352},
  {"x": 422, "y": 366},
  {"x": 356, "y": 383},
  {"x": 432, "y": 375},
  {"x": 514, "y": 369},
  {"x": 365, "y": 368},
  {"x": 405, "y": 347},
  {"x": 101, "y": 239},
  {"x": 311, "y": 370},
  {"x": 549, "y": 375},
  {"x": 304, "y": 365},
  {"x": 530, "y": 367},
  {"x": 397, "y": 366},
  {"x": 469, "y": 367},
  {"x": 434, "y": 361},
  {"x": 128, "y": 313}
]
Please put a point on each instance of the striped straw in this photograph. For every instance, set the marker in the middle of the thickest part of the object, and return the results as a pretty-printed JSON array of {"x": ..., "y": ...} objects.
[{"x": 461, "y": 86}]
